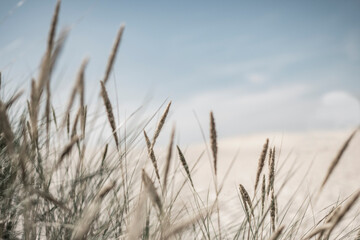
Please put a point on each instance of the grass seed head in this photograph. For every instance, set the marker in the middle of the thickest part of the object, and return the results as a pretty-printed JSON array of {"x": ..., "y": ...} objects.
[
  {"x": 261, "y": 163},
  {"x": 246, "y": 199},
  {"x": 185, "y": 165},
  {"x": 160, "y": 125},
  {"x": 337, "y": 158},
  {"x": 272, "y": 210},
  {"x": 168, "y": 159},
  {"x": 114, "y": 50},
  {"x": 213, "y": 138},
  {"x": 109, "y": 112},
  {"x": 152, "y": 155},
  {"x": 271, "y": 171},
  {"x": 263, "y": 193}
]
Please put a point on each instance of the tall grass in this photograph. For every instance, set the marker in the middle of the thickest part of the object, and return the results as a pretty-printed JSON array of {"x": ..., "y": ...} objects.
[{"x": 53, "y": 187}]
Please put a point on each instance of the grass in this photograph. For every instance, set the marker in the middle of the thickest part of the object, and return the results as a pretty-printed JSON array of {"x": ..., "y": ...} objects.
[{"x": 53, "y": 187}]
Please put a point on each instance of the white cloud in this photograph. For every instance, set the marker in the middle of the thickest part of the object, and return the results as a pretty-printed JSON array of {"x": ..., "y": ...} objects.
[
  {"x": 338, "y": 98},
  {"x": 338, "y": 109},
  {"x": 256, "y": 78},
  {"x": 286, "y": 108},
  {"x": 20, "y": 3}
]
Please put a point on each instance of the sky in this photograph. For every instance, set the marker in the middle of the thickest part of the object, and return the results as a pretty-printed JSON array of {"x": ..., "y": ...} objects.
[{"x": 260, "y": 66}]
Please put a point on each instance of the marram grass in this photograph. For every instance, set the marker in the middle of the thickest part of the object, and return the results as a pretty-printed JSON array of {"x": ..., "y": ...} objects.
[{"x": 53, "y": 187}]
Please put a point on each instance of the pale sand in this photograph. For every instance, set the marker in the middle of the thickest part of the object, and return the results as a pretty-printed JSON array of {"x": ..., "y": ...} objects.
[{"x": 302, "y": 149}]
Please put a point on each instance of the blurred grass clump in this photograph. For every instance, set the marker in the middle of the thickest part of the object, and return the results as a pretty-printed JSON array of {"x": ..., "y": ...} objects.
[{"x": 53, "y": 187}]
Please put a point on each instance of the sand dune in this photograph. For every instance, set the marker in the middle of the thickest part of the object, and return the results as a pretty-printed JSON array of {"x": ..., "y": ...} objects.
[{"x": 300, "y": 151}]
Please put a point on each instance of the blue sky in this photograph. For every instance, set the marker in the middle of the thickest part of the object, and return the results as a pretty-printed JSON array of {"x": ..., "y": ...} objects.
[{"x": 261, "y": 66}]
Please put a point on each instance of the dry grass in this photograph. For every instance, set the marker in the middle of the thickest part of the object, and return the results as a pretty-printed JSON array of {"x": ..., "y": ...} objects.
[
  {"x": 152, "y": 155},
  {"x": 113, "y": 53},
  {"x": 78, "y": 87},
  {"x": 261, "y": 163},
  {"x": 337, "y": 158},
  {"x": 213, "y": 140},
  {"x": 185, "y": 165},
  {"x": 58, "y": 184},
  {"x": 151, "y": 190},
  {"x": 160, "y": 125},
  {"x": 109, "y": 111},
  {"x": 263, "y": 193},
  {"x": 246, "y": 199},
  {"x": 277, "y": 233},
  {"x": 271, "y": 170},
  {"x": 168, "y": 159},
  {"x": 272, "y": 211}
]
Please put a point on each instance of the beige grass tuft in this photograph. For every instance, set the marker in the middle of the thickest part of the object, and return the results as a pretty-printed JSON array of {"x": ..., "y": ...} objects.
[
  {"x": 91, "y": 212},
  {"x": 318, "y": 230},
  {"x": 261, "y": 163},
  {"x": 168, "y": 159},
  {"x": 263, "y": 194},
  {"x": 151, "y": 190},
  {"x": 245, "y": 196},
  {"x": 336, "y": 160},
  {"x": 109, "y": 112},
  {"x": 5, "y": 129},
  {"x": 78, "y": 87},
  {"x": 277, "y": 233},
  {"x": 272, "y": 210},
  {"x": 185, "y": 165},
  {"x": 271, "y": 170},
  {"x": 178, "y": 228},
  {"x": 13, "y": 99},
  {"x": 339, "y": 215},
  {"x": 160, "y": 125},
  {"x": 66, "y": 151},
  {"x": 112, "y": 56},
  {"x": 152, "y": 155},
  {"x": 213, "y": 138}
]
